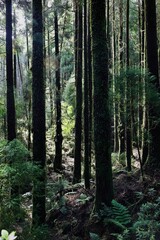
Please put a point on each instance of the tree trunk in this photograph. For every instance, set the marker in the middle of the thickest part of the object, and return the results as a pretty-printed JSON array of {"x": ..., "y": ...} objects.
[
  {"x": 50, "y": 78},
  {"x": 128, "y": 95},
  {"x": 11, "y": 118},
  {"x": 115, "y": 132},
  {"x": 102, "y": 123},
  {"x": 38, "y": 116},
  {"x": 86, "y": 105},
  {"x": 15, "y": 58},
  {"x": 58, "y": 137},
  {"x": 152, "y": 60},
  {"x": 78, "y": 80},
  {"x": 90, "y": 112}
]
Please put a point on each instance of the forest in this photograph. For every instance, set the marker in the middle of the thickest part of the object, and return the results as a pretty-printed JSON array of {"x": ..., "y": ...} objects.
[{"x": 80, "y": 119}]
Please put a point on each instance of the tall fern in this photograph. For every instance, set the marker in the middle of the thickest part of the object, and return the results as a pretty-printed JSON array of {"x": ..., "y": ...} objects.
[{"x": 117, "y": 215}]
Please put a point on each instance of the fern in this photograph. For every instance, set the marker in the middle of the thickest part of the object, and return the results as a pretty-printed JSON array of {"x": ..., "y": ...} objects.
[
  {"x": 117, "y": 215},
  {"x": 121, "y": 213},
  {"x": 147, "y": 226},
  {"x": 114, "y": 222},
  {"x": 94, "y": 236},
  {"x": 123, "y": 236}
]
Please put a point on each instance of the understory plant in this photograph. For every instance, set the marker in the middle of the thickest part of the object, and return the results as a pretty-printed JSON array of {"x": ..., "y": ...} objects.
[
  {"x": 6, "y": 236},
  {"x": 147, "y": 226},
  {"x": 116, "y": 215},
  {"x": 17, "y": 174}
]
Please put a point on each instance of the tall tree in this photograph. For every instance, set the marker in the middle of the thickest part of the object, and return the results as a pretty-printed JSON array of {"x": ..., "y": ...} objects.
[
  {"x": 151, "y": 37},
  {"x": 11, "y": 119},
  {"x": 152, "y": 60},
  {"x": 86, "y": 103},
  {"x": 14, "y": 57},
  {"x": 58, "y": 137},
  {"x": 50, "y": 74},
  {"x": 128, "y": 95},
  {"x": 121, "y": 60},
  {"x": 102, "y": 125},
  {"x": 78, "y": 80},
  {"x": 38, "y": 116},
  {"x": 90, "y": 90}
]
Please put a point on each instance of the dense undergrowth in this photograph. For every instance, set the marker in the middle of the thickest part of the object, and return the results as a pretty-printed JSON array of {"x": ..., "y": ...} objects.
[{"x": 134, "y": 214}]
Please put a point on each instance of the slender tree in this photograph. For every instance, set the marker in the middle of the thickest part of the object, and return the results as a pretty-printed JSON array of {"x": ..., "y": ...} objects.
[
  {"x": 78, "y": 80},
  {"x": 152, "y": 60},
  {"x": 121, "y": 106},
  {"x": 38, "y": 115},
  {"x": 58, "y": 137},
  {"x": 15, "y": 58},
  {"x": 145, "y": 144},
  {"x": 50, "y": 74},
  {"x": 90, "y": 91},
  {"x": 151, "y": 37},
  {"x": 128, "y": 95},
  {"x": 11, "y": 119},
  {"x": 86, "y": 103},
  {"x": 102, "y": 126}
]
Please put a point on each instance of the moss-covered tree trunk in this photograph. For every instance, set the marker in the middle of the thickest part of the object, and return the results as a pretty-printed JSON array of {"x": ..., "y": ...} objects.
[
  {"x": 38, "y": 116},
  {"x": 102, "y": 123},
  {"x": 152, "y": 60},
  {"x": 90, "y": 91},
  {"x": 121, "y": 105},
  {"x": 11, "y": 118},
  {"x": 58, "y": 137},
  {"x": 128, "y": 95},
  {"x": 78, "y": 81},
  {"x": 86, "y": 104},
  {"x": 14, "y": 56},
  {"x": 50, "y": 75}
]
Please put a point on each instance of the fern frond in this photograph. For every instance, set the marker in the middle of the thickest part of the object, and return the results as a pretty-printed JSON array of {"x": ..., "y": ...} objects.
[
  {"x": 114, "y": 222},
  {"x": 121, "y": 213}
]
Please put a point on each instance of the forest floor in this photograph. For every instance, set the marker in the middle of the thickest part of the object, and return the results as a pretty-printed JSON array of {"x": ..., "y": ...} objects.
[{"x": 73, "y": 217}]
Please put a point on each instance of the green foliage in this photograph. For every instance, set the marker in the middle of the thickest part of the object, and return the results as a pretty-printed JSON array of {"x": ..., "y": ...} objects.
[
  {"x": 15, "y": 173},
  {"x": 69, "y": 93},
  {"x": 55, "y": 193},
  {"x": 125, "y": 235},
  {"x": 94, "y": 236},
  {"x": 14, "y": 164},
  {"x": 83, "y": 198},
  {"x": 117, "y": 215},
  {"x": 148, "y": 224},
  {"x": 67, "y": 120},
  {"x": 67, "y": 60},
  {"x": 14, "y": 152},
  {"x": 40, "y": 232},
  {"x": 6, "y": 236},
  {"x": 121, "y": 213}
]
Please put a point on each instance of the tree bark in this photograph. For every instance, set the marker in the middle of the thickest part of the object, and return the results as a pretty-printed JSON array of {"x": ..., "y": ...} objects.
[
  {"x": 78, "y": 80},
  {"x": 152, "y": 60},
  {"x": 128, "y": 96},
  {"x": 102, "y": 122},
  {"x": 38, "y": 114},
  {"x": 86, "y": 104},
  {"x": 58, "y": 137},
  {"x": 11, "y": 115}
]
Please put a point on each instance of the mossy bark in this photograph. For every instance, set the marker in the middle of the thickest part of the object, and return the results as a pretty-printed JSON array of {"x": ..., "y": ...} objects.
[
  {"x": 11, "y": 115},
  {"x": 78, "y": 81},
  {"x": 38, "y": 116},
  {"x": 152, "y": 60},
  {"x": 128, "y": 95},
  {"x": 58, "y": 137},
  {"x": 102, "y": 125},
  {"x": 86, "y": 104}
]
